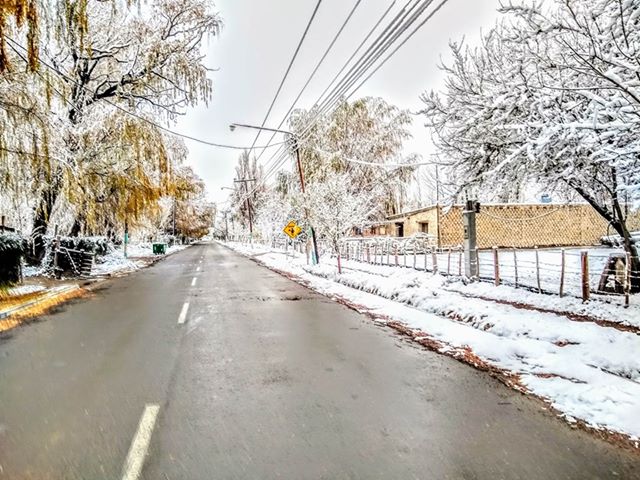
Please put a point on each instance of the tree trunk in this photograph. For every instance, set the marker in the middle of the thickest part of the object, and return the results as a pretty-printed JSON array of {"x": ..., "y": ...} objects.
[
  {"x": 42, "y": 216},
  {"x": 617, "y": 220},
  {"x": 620, "y": 225},
  {"x": 77, "y": 227}
]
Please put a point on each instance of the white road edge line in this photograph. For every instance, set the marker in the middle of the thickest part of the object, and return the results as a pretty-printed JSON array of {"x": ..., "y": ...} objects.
[
  {"x": 183, "y": 313},
  {"x": 140, "y": 443},
  {"x": 193, "y": 282}
]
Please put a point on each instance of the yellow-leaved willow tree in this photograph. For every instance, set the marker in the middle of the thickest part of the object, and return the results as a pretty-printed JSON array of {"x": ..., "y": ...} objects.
[{"x": 108, "y": 76}]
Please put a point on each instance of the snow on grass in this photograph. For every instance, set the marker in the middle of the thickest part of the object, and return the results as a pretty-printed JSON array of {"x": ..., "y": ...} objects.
[
  {"x": 516, "y": 267},
  {"x": 586, "y": 371},
  {"x": 596, "y": 309},
  {"x": 138, "y": 256},
  {"x": 599, "y": 307}
]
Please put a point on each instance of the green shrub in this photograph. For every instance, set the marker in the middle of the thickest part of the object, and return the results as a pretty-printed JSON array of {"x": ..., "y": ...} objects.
[{"x": 11, "y": 252}]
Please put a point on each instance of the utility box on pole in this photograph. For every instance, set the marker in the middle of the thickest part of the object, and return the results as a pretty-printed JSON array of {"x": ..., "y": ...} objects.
[{"x": 470, "y": 243}]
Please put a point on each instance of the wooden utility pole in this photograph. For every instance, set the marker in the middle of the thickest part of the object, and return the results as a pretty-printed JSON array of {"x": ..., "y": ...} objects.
[{"x": 301, "y": 174}]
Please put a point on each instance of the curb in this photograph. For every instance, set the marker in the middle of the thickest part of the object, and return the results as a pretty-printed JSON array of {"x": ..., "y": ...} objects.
[{"x": 56, "y": 291}]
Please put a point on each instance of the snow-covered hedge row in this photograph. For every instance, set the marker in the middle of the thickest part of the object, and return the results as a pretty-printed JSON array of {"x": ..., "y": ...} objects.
[
  {"x": 99, "y": 245},
  {"x": 11, "y": 252}
]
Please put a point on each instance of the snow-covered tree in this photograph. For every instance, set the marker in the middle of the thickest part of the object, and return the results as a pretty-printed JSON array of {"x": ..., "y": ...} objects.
[
  {"x": 274, "y": 211},
  {"x": 335, "y": 207},
  {"x": 552, "y": 96},
  {"x": 358, "y": 138},
  {"x": 248, "y": 187},
  {"x": 194, "y": 214},
  {"x": 108, "y": 75}
]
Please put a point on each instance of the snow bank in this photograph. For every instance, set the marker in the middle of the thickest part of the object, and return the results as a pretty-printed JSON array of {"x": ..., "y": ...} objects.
[
  {"x": 138, "y": 256},
  {"x": 586, "y": 371}
]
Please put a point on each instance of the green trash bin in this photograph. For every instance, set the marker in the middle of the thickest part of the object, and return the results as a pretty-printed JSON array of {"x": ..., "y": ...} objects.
[{"x": 159, "y": 248}]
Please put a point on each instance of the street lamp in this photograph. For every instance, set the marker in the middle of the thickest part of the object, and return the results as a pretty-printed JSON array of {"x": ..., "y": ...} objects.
[{"x": 296, "y": 145}]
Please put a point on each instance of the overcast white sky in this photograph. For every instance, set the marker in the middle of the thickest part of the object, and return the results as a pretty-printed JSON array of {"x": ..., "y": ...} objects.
[{"x": 257, "y": 42}]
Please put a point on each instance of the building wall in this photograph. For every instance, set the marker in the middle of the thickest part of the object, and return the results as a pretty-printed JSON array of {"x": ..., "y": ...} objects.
[
  {"x": 517, "y": 225},
  {"x": 412, "y": 223},
  {"x": 528, "y": 226}
]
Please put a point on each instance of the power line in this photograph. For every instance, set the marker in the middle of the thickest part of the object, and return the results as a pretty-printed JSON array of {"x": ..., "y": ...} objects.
[
  {"x": 390, "y": 35},
  {"x": 346, "y": 64},
  {"x": 315, "y": 70},
  {"x": 286, "y": 74},
  {"x": 135, "y": 115},
  {"x": 415, "y": 30}
]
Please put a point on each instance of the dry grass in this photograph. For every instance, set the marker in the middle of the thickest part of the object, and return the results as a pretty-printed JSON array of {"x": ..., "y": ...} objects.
[{"x": 36, "y": 310}]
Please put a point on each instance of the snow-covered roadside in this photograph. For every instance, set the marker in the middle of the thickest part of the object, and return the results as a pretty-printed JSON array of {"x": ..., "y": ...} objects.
[
  {"x": 115, "y": 262},
  {"x": 138, "y": 256},
  {"x": 596, "y": 309},
  {"x": 586, "y": 371}
]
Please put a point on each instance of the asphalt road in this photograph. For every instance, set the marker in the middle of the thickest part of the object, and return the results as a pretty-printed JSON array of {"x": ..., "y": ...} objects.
[{"x": 259, "y": 378}]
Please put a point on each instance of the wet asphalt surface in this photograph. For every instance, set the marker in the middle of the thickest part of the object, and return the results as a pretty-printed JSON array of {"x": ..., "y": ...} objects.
[{"x": 263, "y": 380}]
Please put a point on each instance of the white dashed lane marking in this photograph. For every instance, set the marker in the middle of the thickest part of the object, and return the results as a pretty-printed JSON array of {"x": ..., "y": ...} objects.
[
  {"x": 183, "y": 313},
  {"x": 140, "y": 444}
]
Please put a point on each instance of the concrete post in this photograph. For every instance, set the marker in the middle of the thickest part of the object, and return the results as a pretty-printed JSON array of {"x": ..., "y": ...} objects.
[{"x": 470, "y": 240}]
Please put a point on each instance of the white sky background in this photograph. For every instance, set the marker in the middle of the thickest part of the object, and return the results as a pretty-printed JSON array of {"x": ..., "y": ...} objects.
[{"x": 257, "y": 42}]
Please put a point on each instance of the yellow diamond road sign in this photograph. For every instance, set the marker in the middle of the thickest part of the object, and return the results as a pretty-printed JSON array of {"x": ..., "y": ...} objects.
[{"x": 292, "y": 230}]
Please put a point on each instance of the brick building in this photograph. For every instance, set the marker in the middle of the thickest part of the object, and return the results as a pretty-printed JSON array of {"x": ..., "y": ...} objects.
[{"x": 506, "y": 225}]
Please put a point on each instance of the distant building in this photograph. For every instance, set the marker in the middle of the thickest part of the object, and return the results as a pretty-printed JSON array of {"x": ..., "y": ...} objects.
[{"x": 505, "y": 225}]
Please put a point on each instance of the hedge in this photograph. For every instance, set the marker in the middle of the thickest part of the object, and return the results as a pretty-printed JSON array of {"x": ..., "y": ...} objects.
[{"x": 11, "y": 252}]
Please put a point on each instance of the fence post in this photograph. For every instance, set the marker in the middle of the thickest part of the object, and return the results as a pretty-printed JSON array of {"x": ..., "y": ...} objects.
[
  {"x": 404, "y": 256},
  {"x": 449, "y": 261},
  {"x": 496, "y": 266},
  {"x": 584, "y": 264},
  {"x": 425, "y": 258},
  {"x": 434, "y": 260},
  {"x": 414, "y": 257},
  {"x": 562, "y": 270},
  {"x": 396, "y": 253},
  {"x": 388, "y": 253},
  {"x": 477, "y": 251},
  {"x": 627, "y": 281},
  {"x": 538, "y": 270},
  {"x": 515, "y": 265},
  {"x": 459, "y": 262}
]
